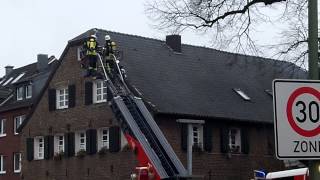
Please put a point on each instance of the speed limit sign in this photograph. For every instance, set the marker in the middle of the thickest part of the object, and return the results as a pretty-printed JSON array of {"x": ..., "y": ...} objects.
[{"x": 297, "y": 118}]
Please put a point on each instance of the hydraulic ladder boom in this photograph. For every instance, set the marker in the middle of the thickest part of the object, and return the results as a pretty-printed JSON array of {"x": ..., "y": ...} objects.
[{"x": 140, "y": 128}]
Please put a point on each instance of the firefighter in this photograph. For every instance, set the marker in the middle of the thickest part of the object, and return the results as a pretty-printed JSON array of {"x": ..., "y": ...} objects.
[
  {"x": 109, "y": 48},
  {"x": 90, "y": 48}
]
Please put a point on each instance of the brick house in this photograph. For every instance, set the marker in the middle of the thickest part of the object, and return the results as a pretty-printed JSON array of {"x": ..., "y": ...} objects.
[
  {"x": 18, "y": 89},
  {"x": 72, "y": 133}
]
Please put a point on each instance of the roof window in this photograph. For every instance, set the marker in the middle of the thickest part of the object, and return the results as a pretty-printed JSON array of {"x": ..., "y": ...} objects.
[
  {"x": 242, "y": 94},
  {"x": 2, "y": 80},
  {"x": 17, "y": 78},
  {"x": 10, "y": 79},
  {"x": 269, "y": 92}
]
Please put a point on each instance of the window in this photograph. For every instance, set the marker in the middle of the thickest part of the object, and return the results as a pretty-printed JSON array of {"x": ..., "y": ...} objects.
[
  {"x": 28, "y": 91},
  {"x": 197, "y": 134},
  {"x": 19, "y": 93},
  {"x": 59, "y": 144},
  {"x": 80, "y": 141},
  {"x": 99, "y": 91},
  {"x": 39, "y": 147},
  {"x": 235, "y": 140},
  {"x": 103, "y": 138},
  {"x": 2, "y": 127},
  {"x": 2, "y": 165},
  {"x": 17, "y": 162},
  {"x": 242, "y": 94},
  {"x": 17, "y": 122},
  {"x": 62, "y": 98}
]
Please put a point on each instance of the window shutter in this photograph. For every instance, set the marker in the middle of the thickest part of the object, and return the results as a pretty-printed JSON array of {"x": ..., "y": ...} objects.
[
  {"x": 48, "y": 147},
  {"x": 224, "y": 140},
  {"x": 114, "y": 134},
  {"x": 88, "y": 93},
  {"x": 207, "y": 137},
  {"x": 66, "y": 145},
  {"x": 244, "y": 141},
  {"x": 184, "y": 136},
  {"x": 70, "y": 144},
  {"x": 52, "y": 99},
  {"x": 91, "y": 141},
  {"x": 72, "y": 95},
  {"x": 30, "y": 149}
]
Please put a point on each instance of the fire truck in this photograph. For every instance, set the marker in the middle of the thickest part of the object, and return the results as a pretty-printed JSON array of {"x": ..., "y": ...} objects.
[{"x": 292, "y": 174}]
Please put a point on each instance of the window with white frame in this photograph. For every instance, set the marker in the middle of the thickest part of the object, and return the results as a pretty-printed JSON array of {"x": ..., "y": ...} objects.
[
  {"x": 2, "y": 165},
  {"x": 39, "y": 147},
  {"x": 197, "y": 135},
  {"x": 19, "y": 93},
  {"x": 17, "y": 162},
  {"x": 62, "y": 98},
  {"x": 3, "y": 127},
  {"x": 103, "y": 138},
  {"x": 17, "y": 122},
  {"x": 80, "y": 141},
  {"x": 235, "y": 140},
  {"x": 59, "y": 143},
  {"x": 99, "y": 91},
  {"x": 28, "y": 91}
]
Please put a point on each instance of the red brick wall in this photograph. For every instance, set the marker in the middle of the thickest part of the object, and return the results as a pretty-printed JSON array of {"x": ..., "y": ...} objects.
[
  {"x": 213, "y": 165},
  {"x": 10, "y": 144}
]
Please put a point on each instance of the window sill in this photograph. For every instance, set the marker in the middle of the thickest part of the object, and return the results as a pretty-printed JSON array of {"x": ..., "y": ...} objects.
[
  {"x": 17, "y": 172},
  {"x": 29, "y": 97},
  {"x": 2, "y": 172},
  {"x": 99, "y": 102},
  {"x": 61, "y": 108},
  {"x": 39, "y": 159},
  {"x": 16, "y": 133},
  {"x": 2, "y": 135}
]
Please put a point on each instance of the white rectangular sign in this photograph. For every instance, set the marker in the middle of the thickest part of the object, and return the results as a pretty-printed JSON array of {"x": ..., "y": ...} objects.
[{"x": 296, "y": 106}]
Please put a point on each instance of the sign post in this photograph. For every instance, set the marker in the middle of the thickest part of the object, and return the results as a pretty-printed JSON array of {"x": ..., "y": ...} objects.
[{"x": 297, "y": 119}]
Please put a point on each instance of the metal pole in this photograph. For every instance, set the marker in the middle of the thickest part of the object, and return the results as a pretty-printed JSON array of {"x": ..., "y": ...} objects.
[
  {"x": 313, "y": 67},
  {"x": 189, "y": 150}
]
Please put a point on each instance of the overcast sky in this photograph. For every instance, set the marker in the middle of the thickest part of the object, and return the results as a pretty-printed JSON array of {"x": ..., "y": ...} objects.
[{"x": 30, "y": 27}]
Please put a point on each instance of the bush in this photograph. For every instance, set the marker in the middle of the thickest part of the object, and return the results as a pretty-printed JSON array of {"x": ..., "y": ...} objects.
[{"x": 81, "y": 153}]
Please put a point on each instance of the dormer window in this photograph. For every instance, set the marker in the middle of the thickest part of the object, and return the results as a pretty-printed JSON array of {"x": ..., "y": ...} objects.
[
  {"x": 28, "y": 91},
  {"x": 19, "y": 93}
]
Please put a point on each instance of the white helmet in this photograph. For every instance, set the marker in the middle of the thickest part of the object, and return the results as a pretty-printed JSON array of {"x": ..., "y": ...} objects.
[
  {"x": 107, "y": 38},
  {"x": 93, "y": 36}
]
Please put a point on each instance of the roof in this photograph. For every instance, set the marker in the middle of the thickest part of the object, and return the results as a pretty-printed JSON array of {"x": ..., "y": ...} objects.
[
  {"x": 26, "y": 74},
  {"x": 199, "y": 81}
]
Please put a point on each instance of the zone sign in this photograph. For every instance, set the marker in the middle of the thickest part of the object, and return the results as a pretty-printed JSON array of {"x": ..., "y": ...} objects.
[{"x": 296, "y": 106}]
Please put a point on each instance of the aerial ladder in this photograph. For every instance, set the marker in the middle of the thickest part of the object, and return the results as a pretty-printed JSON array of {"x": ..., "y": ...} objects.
[{"x": 156, "y": 158}]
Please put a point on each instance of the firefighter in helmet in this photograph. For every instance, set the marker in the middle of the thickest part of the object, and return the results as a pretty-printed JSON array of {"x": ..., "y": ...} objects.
[{"x": 90, "y": 48}]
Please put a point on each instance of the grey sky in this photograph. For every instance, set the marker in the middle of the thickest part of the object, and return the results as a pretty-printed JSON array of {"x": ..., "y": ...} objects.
[{"x": 30, "y": 27}]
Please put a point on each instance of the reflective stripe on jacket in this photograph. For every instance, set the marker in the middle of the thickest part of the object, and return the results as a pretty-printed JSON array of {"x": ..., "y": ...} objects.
[{"x": 91, "y": 46}]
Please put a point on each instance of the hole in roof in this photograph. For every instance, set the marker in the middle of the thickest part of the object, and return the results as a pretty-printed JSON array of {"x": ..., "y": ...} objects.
[
  {"x": 242, "y": 94},
  {"x": 268, "y": 91},
  {"x": 10, "y": 79},
  {"x": 18, "y": 77}
]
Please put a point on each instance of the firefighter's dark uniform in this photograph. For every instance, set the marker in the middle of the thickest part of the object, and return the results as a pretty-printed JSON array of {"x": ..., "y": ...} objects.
[
  {"x": 90, "y": 47},
  {"x": 109, "y": 49}
]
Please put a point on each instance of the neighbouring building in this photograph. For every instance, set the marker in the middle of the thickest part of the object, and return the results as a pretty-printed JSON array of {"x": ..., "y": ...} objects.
[
  {"x": 18, "y": 90},
  {"x": 226, "y": 97}
]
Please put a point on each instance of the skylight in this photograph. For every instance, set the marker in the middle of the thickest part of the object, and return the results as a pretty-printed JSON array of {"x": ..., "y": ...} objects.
[
  {"x": 10, "y": 79},
  {"x": 17, "y": 78},
  {"x": 53, "y": 59},
  {"x": 242, "y": 94},
  {"x": 268, "y": 91},
  {"x": 2, "y": 80}
]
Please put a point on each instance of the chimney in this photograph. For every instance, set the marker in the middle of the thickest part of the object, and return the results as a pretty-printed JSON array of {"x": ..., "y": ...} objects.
[
  {"x": 174, "y": 42},
  {"x": 8, "y": 69},
  {"x": 42, "y": 63}
]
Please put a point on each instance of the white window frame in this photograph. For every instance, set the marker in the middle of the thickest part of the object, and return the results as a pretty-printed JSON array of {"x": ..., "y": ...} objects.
[
  {"x": 235, "y": 140},
  {"x": 38, "y": 150},
  {"x": 198, "y": 134},
  {"x": 103, "y": 143},
  {"x": 16, "y": 119},
  {"x": 78, "y": 145},
  {"x": 14, "y": 163},
  {"x": 28, "y": 90},
  {"x": 2, "y": 163},
  {"x": 58, "y": 147},
  {"x": 62, "y": 95},
  {"x": 3, "y": 127},
  {"x": 99, "y": 91},
  {"x": 19, "y": 91}
]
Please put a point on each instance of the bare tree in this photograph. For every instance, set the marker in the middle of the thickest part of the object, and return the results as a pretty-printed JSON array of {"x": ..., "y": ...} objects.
[{"x": 233, "y": 23}]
